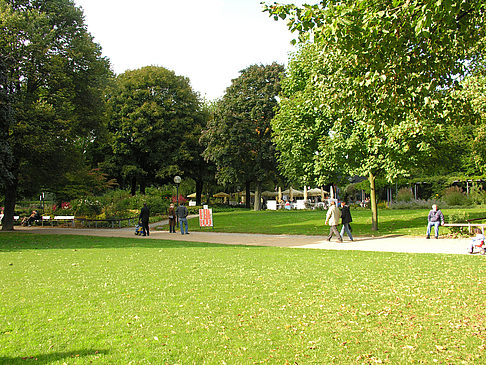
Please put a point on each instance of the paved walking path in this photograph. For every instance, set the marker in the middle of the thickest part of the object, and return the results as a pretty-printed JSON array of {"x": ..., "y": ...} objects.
[{"x": 393, "y": 243}]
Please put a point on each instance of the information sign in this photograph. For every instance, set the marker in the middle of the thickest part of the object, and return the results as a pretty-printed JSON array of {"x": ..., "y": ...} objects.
[{"x": 205, "y": 217}]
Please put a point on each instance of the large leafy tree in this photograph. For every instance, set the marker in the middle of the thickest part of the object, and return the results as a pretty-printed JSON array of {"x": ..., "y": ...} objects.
[
  {"x": 238, "y": 136},
  {"x": 380, "y": 81},
  {"x": 194, "y": 164},
  {"x": 474, "y": 148},
  {"x": 152, "y": 114},
  {"x": 51, "y": 91}
]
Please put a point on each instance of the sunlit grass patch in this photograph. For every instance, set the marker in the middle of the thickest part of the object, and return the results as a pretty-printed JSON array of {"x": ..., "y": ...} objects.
[
  {"x": 298, "y": 222},
  {"x": 81, "y": 300}
]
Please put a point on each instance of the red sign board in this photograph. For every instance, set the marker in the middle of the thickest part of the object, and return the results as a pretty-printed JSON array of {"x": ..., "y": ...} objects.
[{"x": 205, "y": 217}]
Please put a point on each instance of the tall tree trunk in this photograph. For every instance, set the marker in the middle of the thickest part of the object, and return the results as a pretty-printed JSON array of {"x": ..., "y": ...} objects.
[
  {"x": 258, "y": 196},
  {"x": 248, "y": 196},
  {"x": 133, "y": 189},
  {"x": 374, "y": 207},
  {"x": 10, "y": 201},
  {"x": 199, "y": 188},
  {"x": 142, "y": 186}
]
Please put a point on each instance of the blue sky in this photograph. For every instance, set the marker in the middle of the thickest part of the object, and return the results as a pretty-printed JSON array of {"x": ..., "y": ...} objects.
[{"x": 208, "y": 41}]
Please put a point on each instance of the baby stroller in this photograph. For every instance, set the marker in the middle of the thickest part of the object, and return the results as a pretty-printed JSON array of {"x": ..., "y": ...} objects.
[
  {"x": 478, "y": 243},
  {"x": 138, "y": 230},
  {"x": 478, "y": 246}
]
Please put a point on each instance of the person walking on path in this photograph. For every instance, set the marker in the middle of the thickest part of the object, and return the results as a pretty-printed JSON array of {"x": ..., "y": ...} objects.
[
  {"x": 172, "y": 218},
  {"x": 182, "y": 213},
  {"x": 346, "y": 219},
  {"x": 332, "y": 218},
  {"x": 435, "y": 218},
  {"x": 144, "y": 218}
]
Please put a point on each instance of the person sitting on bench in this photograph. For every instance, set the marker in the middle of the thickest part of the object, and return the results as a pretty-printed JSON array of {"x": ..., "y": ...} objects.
[
  {"x": 435, "y": 218},
  {"x": 34, "y": 216}
]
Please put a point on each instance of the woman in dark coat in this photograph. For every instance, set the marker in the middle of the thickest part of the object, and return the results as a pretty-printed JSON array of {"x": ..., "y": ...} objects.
[
  {"x": 144, "y": 218},
  {"x": 172, "y": 218},
  {"x": 346, "y": 219}
]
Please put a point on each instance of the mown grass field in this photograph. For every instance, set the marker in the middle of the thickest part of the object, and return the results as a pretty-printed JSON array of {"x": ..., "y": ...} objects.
[
  {"x": 82, "y": 300},
  {"x": 402, "y": 222}
]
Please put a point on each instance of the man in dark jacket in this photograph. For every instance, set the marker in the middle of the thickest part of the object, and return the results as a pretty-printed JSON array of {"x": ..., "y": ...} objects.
[
  {"x": 346, "y": 219},
  {"x": 182, "y": 214},
  {"x": 435, "y": 218},
  {"x": 144, "y": 218}
]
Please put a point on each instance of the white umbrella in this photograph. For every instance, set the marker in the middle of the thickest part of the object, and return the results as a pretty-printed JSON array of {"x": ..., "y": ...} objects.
[{"x": 315, "y": 192}]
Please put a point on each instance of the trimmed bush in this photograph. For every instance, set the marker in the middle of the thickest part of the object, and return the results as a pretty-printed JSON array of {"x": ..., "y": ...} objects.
[
  {"x": 454, "y": 196},
  {"x": 404, "y": 195}
]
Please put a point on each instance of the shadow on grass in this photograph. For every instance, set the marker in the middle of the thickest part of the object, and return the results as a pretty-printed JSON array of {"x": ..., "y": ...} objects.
[
  {"x": 24, "y": 241},
  {"x": 49, "y": 358}
]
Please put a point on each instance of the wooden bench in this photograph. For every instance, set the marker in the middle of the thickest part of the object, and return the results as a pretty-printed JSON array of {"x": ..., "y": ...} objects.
[
  {"x": 468, "y": 225},
  {"x": 45, "y": 218},
  {"x": 64, "y": 219},
  {"x": 110, "y": 222}
]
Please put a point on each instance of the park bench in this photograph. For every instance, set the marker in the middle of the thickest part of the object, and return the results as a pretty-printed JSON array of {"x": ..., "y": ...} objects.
[
  {"x": 468, "y": 224},
  {"x": 45, "y": 218},
  {"x": 109, "y": 222},
  {"x": 64, "y": 219}
]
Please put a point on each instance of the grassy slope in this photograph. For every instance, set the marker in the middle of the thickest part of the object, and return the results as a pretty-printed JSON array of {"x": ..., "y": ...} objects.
[
  {"x": 407, "y": 222},
  {"x": 79, "y": 300}
]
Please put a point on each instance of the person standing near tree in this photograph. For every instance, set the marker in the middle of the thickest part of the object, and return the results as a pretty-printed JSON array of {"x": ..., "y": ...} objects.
[
  {"x": 144, "y": 218},
  {"x": 332, "y": 218},
  {"x": 345, "y": 220}
]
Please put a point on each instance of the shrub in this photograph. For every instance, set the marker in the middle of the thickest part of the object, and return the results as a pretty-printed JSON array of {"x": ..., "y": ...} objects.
[
  {"x": 382, "y": 205},
  {"x": 414, "y": 204},
  {"x": 460, "y": 217},
  {"x": 404, "y": 195},
  {"x": 454, "y": 196},
  {"x": 88, "y": 208},
  {"x": 477, "y": 195}
]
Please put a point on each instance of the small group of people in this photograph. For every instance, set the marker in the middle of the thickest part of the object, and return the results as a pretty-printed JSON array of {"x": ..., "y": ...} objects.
[
  {"x": 180, "y": 213},
  {"x": 436, "y": 219},
  {"x": 332, "y": 218}
]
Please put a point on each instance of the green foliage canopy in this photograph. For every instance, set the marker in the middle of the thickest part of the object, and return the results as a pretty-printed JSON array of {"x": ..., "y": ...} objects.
[
  {"x": 371, "y": 83},
  {"x": 53, "y": 87},
  {"x": 238, "y": 137},
  {"x": 150, "y": 110}
]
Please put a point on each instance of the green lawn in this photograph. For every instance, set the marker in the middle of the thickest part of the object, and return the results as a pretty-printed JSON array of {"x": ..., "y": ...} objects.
[
  {"x": 81, "y": 300},
  {"x": 403, "y": 222}
]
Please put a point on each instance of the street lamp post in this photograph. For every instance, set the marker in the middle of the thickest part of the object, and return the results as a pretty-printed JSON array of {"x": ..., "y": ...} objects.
[{"x": 177, "y": 180}]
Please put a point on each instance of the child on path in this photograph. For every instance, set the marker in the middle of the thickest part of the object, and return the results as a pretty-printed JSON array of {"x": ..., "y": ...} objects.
[{"x": 477, "y": 241}]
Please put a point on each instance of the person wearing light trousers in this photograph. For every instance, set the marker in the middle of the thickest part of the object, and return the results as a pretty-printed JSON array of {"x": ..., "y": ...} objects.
[{"x": 332, "y": 218}]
